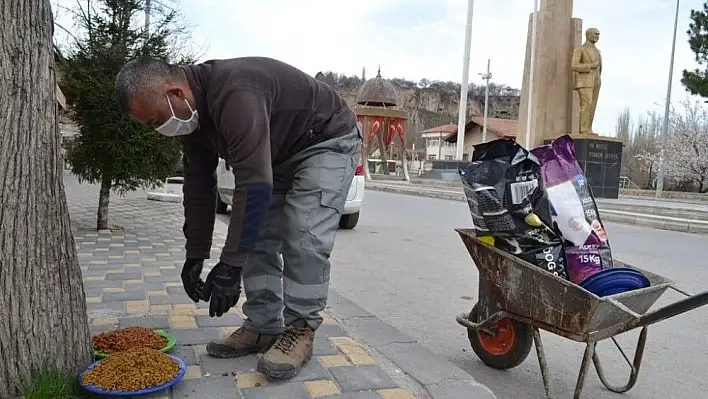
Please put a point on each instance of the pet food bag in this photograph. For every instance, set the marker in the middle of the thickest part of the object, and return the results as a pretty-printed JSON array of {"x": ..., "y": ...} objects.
[
  {"x": 573, "y": 210},
  {"x": 509, "y": 206}
]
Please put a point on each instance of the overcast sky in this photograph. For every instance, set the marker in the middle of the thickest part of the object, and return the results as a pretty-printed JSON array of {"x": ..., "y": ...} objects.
[{"x": 416, "y": 39}]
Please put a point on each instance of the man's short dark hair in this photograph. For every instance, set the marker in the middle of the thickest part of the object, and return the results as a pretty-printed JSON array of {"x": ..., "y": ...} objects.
[{"x": 141, "y": 77}]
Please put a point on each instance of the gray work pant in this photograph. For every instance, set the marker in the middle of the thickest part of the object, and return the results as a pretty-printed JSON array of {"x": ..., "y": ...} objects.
[{"x": 287, "y": 276}]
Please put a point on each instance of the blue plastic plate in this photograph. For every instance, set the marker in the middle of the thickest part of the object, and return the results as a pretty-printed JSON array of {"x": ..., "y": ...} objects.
[
  {"x": 614, "y": 281},
  {"x": 91, "y": 388}
]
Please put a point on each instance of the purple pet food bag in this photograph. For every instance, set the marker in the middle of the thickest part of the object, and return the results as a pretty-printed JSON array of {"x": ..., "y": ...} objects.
[
  {"x": 573, "y": 210},
  {"x": 504, "y": 192}
]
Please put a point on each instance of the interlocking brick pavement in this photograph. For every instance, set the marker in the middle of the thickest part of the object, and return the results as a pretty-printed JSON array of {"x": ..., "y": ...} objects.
[{"x": 131, "y": 277}]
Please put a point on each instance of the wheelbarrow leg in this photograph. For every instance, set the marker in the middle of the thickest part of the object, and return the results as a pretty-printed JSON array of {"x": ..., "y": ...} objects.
[
  {"x": 542, "y": 361},
  {"x": 635, "y": 365},
  {"x": 584, "y": 367}
]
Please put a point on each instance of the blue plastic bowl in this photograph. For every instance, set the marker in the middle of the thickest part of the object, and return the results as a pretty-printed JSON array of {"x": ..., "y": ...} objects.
[
  {"x": 615, "y": 281},
  {"x": 91, "y": 388}
]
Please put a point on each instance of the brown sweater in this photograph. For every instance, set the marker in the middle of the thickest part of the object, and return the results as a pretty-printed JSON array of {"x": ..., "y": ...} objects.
[{"x": 254, "y": 112}]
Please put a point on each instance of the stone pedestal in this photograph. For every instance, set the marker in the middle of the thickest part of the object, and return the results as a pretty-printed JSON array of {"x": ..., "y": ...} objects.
[
  {"x": 445, "y": 170},
  {"x": 601, "y": 160},
  {"x": 554, "y": 109}
]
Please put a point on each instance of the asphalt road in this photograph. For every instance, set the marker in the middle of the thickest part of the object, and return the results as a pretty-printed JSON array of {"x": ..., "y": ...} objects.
[{"x": 405, "y": 264}]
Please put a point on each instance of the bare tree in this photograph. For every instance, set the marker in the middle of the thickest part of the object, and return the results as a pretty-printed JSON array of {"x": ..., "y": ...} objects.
[
  {"x": 686, "y": 152},
  {"x": 640, "y": 136}
]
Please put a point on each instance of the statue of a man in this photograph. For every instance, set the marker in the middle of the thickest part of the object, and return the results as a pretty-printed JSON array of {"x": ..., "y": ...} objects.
[{"x": 587, "y": 65}]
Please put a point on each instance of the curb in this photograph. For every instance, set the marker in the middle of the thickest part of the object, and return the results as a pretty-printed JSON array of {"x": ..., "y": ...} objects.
[
  {"x": 661, "y": 211},
  {"x": 608, "y": 215},
  {"x": 439, "y": 377},
  {"x": 430, "y": 193}
]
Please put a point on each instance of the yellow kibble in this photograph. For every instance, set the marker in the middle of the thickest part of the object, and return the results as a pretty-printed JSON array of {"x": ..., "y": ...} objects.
[{"x": 132, "y": 370}]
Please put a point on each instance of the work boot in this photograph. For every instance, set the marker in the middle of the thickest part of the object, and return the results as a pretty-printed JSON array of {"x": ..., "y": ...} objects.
[
  {"x": 291, "y": 351},
  {"x": 240, "y": 343}
]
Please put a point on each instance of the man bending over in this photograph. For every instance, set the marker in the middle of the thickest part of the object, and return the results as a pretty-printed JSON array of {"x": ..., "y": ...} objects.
[{"x": 293, "y": 145}]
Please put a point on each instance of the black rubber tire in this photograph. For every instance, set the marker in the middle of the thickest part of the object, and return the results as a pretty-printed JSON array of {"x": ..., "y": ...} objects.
[
  {"x": 523, "y": 341},
  {"x": 348, "y": 222},
  {"x": 221, "y": 207}
]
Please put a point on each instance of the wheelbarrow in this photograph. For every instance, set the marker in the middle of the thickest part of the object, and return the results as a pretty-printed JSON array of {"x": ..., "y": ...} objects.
[{"x": 517, "y": 299}]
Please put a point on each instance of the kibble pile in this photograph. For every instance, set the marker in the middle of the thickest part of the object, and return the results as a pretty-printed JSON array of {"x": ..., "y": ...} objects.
[
  {"x": 132, "y": 370},
  {"x": 127, "y": 338}
]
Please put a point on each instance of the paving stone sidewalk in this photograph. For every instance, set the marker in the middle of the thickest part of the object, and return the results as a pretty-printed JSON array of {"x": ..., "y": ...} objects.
[{"x": 131, "y": 277}]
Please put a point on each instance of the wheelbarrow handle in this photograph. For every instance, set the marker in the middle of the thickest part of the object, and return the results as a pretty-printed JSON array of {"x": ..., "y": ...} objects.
[{"x": 674, "y": 309}]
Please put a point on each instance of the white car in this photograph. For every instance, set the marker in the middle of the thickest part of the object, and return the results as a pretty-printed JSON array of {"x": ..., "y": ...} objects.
[{"x": 350, "y": 216}]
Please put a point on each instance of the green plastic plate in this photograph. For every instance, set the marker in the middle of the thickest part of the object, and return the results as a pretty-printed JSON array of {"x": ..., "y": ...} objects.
[{"x": 171, "y": 341}]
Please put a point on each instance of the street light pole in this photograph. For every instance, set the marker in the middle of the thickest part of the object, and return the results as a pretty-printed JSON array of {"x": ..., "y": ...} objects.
[
  {"x": 148, "y": 9},
  {"x": 532, "y": 71},
  {"x": 665, "y": 127},
  {"x": 462, "y": 115},
  {"x": 486, "y": 76}
]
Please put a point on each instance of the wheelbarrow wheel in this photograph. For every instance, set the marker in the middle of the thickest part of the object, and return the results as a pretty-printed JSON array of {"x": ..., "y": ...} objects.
[{"x": 508, "y": 349}]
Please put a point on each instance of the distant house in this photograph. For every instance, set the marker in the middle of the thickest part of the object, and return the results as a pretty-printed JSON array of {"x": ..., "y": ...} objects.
[
  {"x": 441, "y": 141},
  {"x": 435, "y": 145}
]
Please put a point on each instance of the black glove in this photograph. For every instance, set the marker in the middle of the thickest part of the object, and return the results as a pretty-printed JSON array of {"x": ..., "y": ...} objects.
[
  {"x": 191, "y": 280},
  {"x": 222, "y": 288}
]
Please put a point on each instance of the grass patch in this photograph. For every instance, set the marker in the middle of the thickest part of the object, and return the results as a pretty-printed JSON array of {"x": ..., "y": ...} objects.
[{"x": 52, "y": 383}]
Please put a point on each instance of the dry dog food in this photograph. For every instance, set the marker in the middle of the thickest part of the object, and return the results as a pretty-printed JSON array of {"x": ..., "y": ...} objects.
[
  {"x": 128, "y": 338},
  {"x": 132, "y": 370},
  {"x": 574, "y": 210}
]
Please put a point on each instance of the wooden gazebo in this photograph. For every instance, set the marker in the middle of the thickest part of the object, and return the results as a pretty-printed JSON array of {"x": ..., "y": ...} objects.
[{"x": 380, "y": 118}]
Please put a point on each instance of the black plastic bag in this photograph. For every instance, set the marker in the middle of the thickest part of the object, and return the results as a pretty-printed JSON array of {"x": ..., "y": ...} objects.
[{"x": 509, "y": 206}]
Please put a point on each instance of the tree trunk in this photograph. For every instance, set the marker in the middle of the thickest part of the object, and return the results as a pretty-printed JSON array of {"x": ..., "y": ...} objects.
[
  {"x": 43, "y": 319},
  {"x": 104, "y": 197}
]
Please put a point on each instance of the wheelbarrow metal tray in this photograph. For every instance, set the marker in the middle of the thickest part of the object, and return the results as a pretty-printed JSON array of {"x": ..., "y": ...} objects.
[{"x": 525, "y": 290}]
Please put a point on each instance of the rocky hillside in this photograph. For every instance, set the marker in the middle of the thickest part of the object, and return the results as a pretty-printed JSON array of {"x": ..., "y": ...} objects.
[{"x": 434, "y": 103}]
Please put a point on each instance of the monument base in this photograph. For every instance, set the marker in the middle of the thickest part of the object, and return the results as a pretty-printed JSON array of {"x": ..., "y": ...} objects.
[
  {"x": 601, "y": 160},
  {"x": 445, "y": 170}
]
